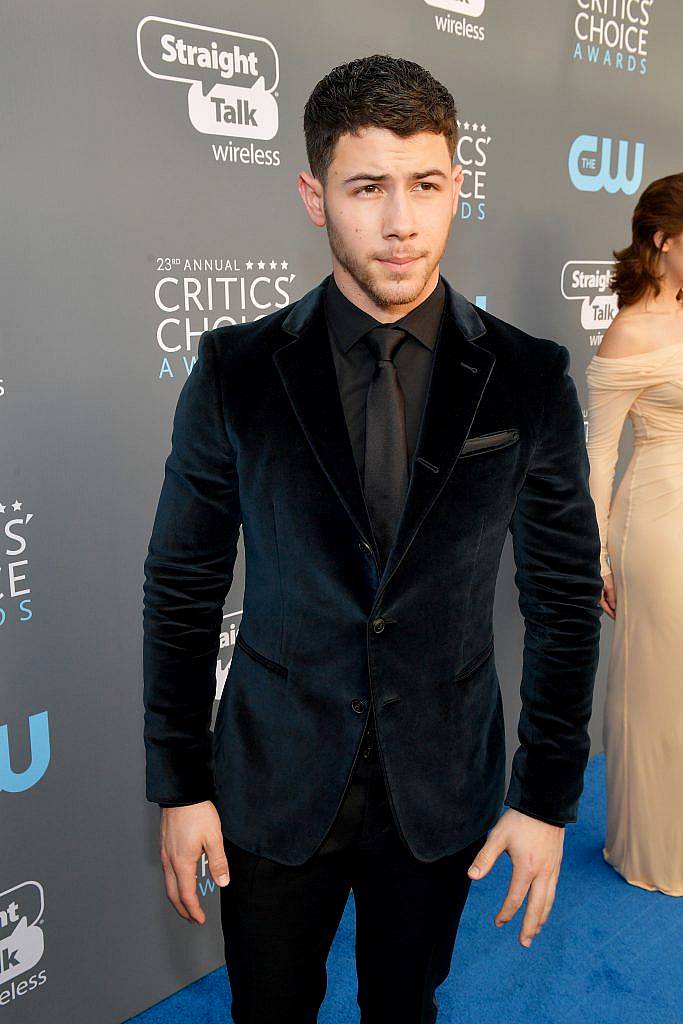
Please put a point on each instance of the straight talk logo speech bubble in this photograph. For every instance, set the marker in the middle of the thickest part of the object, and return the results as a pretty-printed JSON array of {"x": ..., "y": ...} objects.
[
  {"x": 232, "y": 77},
  {"x": 21, "y": 936},
  {"x": 587, "y": 281},
  {"x": 473, "y": 8}
]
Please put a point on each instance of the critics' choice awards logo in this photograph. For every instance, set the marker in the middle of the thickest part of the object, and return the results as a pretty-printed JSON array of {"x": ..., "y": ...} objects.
[
  {"x": 15, "y": 602},
  {"x": 587, "y": 282},
  {"x": 21, "y": 940},
  {"x": 472, "y": 153},
  {"x": 613, "y": 33},
  {"x": 39, "y": 755},
  {"x": 458, "y": 21},
  {"x": 193, "y": 295},
  {"x": 601, "y": 163},
  {"x": 232, "y": 78}
]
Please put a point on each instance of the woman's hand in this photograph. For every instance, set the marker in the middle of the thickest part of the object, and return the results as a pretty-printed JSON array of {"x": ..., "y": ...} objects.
[{"x": 608, "y": 598}]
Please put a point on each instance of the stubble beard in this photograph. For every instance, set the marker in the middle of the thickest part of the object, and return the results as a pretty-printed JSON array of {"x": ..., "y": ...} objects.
[{"x": 381, "y": 288}]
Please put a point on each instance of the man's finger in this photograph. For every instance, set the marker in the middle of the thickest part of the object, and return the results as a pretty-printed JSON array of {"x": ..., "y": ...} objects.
[
  {"x": 218, "y": 862},
  {"x": 517, "y": 890},
  {"x": 534, "y": 908},
  {"x": 172, "y": 891},
  {"x": 550, "y": 896},
  {"x": 487, "y": 857},
  {"x": 187, "y": 889}
]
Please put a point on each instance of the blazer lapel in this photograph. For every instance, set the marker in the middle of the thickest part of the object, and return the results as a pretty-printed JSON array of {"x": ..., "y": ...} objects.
[
  {"x": 459, "y": 374},
  {"x": 308, "y": 373}
]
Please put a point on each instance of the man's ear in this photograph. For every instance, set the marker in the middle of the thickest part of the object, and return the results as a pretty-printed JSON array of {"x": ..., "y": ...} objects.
[
  {"x": 458, "y": 179},
  {"x": 311, "y": 192}
]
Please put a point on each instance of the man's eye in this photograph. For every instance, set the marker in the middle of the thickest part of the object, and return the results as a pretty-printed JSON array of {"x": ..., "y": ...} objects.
[{"x": 430, "y": 186}]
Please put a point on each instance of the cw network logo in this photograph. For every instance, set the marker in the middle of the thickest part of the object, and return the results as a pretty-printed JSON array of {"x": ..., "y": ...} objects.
[
  {"x": 232, "y": 76},
  {"x": 39, "y": 744},
  {"x": 592, "y": 167}
]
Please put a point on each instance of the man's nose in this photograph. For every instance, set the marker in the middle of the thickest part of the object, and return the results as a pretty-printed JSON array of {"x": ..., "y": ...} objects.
[{"x": 399, "y": 218}]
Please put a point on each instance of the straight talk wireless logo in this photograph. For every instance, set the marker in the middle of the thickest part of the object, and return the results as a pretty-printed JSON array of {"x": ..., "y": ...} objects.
[
  {"x": 231, "y": 78},
  {"x": 586, "y": 282},
  {"x": 22, "y": 943},
  {"x": 458, "y": 21},
  {"x": 227, "y": 644}
]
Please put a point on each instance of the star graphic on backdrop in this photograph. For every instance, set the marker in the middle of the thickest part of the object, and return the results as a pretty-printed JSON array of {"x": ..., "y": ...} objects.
[{"x": 273, "y": 264}]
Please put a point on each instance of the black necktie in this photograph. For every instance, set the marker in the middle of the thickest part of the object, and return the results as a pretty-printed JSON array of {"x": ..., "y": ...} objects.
[{"x": 386, "y": 448}]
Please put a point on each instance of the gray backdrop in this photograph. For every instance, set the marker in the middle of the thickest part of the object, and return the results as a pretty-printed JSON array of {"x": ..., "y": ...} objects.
[{"x": 133, "y": 220}]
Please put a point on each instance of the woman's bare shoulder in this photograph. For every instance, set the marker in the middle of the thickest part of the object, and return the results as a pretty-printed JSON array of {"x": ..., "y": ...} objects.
[{"x": 627, "y": 335}]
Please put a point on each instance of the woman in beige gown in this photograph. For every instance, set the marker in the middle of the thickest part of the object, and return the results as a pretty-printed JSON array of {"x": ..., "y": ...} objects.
[{"x": 641, "y": 532}]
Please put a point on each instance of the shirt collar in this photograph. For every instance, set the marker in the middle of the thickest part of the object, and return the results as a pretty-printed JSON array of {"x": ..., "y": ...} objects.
[{"x": 348, "y": 322}]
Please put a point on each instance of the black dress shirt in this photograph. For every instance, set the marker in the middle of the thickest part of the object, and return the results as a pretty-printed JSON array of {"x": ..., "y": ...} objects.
[{"x": 355, "y": 365}]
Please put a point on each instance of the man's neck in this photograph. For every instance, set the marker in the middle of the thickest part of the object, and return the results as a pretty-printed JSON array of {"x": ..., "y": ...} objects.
[{"x": 355, "y": 293}]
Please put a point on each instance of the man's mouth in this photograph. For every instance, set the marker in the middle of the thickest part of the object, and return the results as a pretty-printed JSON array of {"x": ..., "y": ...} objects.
[{"x": 399, "y": 261}]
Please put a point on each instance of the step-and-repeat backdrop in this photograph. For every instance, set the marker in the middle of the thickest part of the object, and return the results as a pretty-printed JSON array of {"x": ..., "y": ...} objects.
[{"x": 145, "y": 200}]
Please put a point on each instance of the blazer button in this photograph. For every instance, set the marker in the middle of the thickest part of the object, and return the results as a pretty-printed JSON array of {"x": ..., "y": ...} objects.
[
  {"x": 378, "y": 625},
  {"x": 358, "y": 706}
]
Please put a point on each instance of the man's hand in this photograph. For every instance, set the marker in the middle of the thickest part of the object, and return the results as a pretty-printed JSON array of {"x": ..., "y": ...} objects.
[
  {"x": 535, "y": 849},
  {"x": 184, "y": 834},
  {"x": 608, "y": 599}
]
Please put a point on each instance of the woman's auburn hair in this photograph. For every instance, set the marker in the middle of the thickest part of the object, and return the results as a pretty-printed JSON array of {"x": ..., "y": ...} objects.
[{"x": 659, "y": 208}]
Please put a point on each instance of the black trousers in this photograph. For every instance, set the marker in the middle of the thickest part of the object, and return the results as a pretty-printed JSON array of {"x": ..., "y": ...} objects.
[{"x": 279, "y": 920}]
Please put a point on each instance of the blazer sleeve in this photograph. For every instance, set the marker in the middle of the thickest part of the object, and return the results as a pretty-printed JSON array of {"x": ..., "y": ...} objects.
[
  {"x": 557, "y": 554},
  {"x": 188, "y": 573},
  {"x": 610, "y": 396}
]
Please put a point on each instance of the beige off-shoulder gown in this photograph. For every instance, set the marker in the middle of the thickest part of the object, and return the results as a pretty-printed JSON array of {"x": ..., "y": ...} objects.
[{"x": 641, "y": 532}]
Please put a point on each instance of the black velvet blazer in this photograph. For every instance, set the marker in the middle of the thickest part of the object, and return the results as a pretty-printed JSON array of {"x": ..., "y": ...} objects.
[{"x": 259, "y": 440}]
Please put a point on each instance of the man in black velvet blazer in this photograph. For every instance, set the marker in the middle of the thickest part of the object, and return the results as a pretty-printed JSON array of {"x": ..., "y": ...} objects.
[{"x": 359, "y": 742}]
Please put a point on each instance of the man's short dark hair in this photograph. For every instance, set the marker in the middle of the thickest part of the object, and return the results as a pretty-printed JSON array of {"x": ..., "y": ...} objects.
[{"x": 379, "y": 91}]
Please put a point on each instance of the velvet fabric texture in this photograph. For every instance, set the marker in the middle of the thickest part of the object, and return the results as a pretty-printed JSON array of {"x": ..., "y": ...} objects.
[{"x": 260, "y": 441}]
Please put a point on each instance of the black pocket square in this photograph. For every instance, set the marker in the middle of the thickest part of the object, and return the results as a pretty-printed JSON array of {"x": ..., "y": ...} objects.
[{"x": 487, "y": 442}]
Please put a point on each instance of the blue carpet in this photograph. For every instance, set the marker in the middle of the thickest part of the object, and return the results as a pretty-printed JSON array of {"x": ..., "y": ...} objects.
[{"x": 610, "y": 952}]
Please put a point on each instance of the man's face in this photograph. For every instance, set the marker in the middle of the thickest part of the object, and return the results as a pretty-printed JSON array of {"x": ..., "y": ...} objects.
[{"x": 388, "y": 206}]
